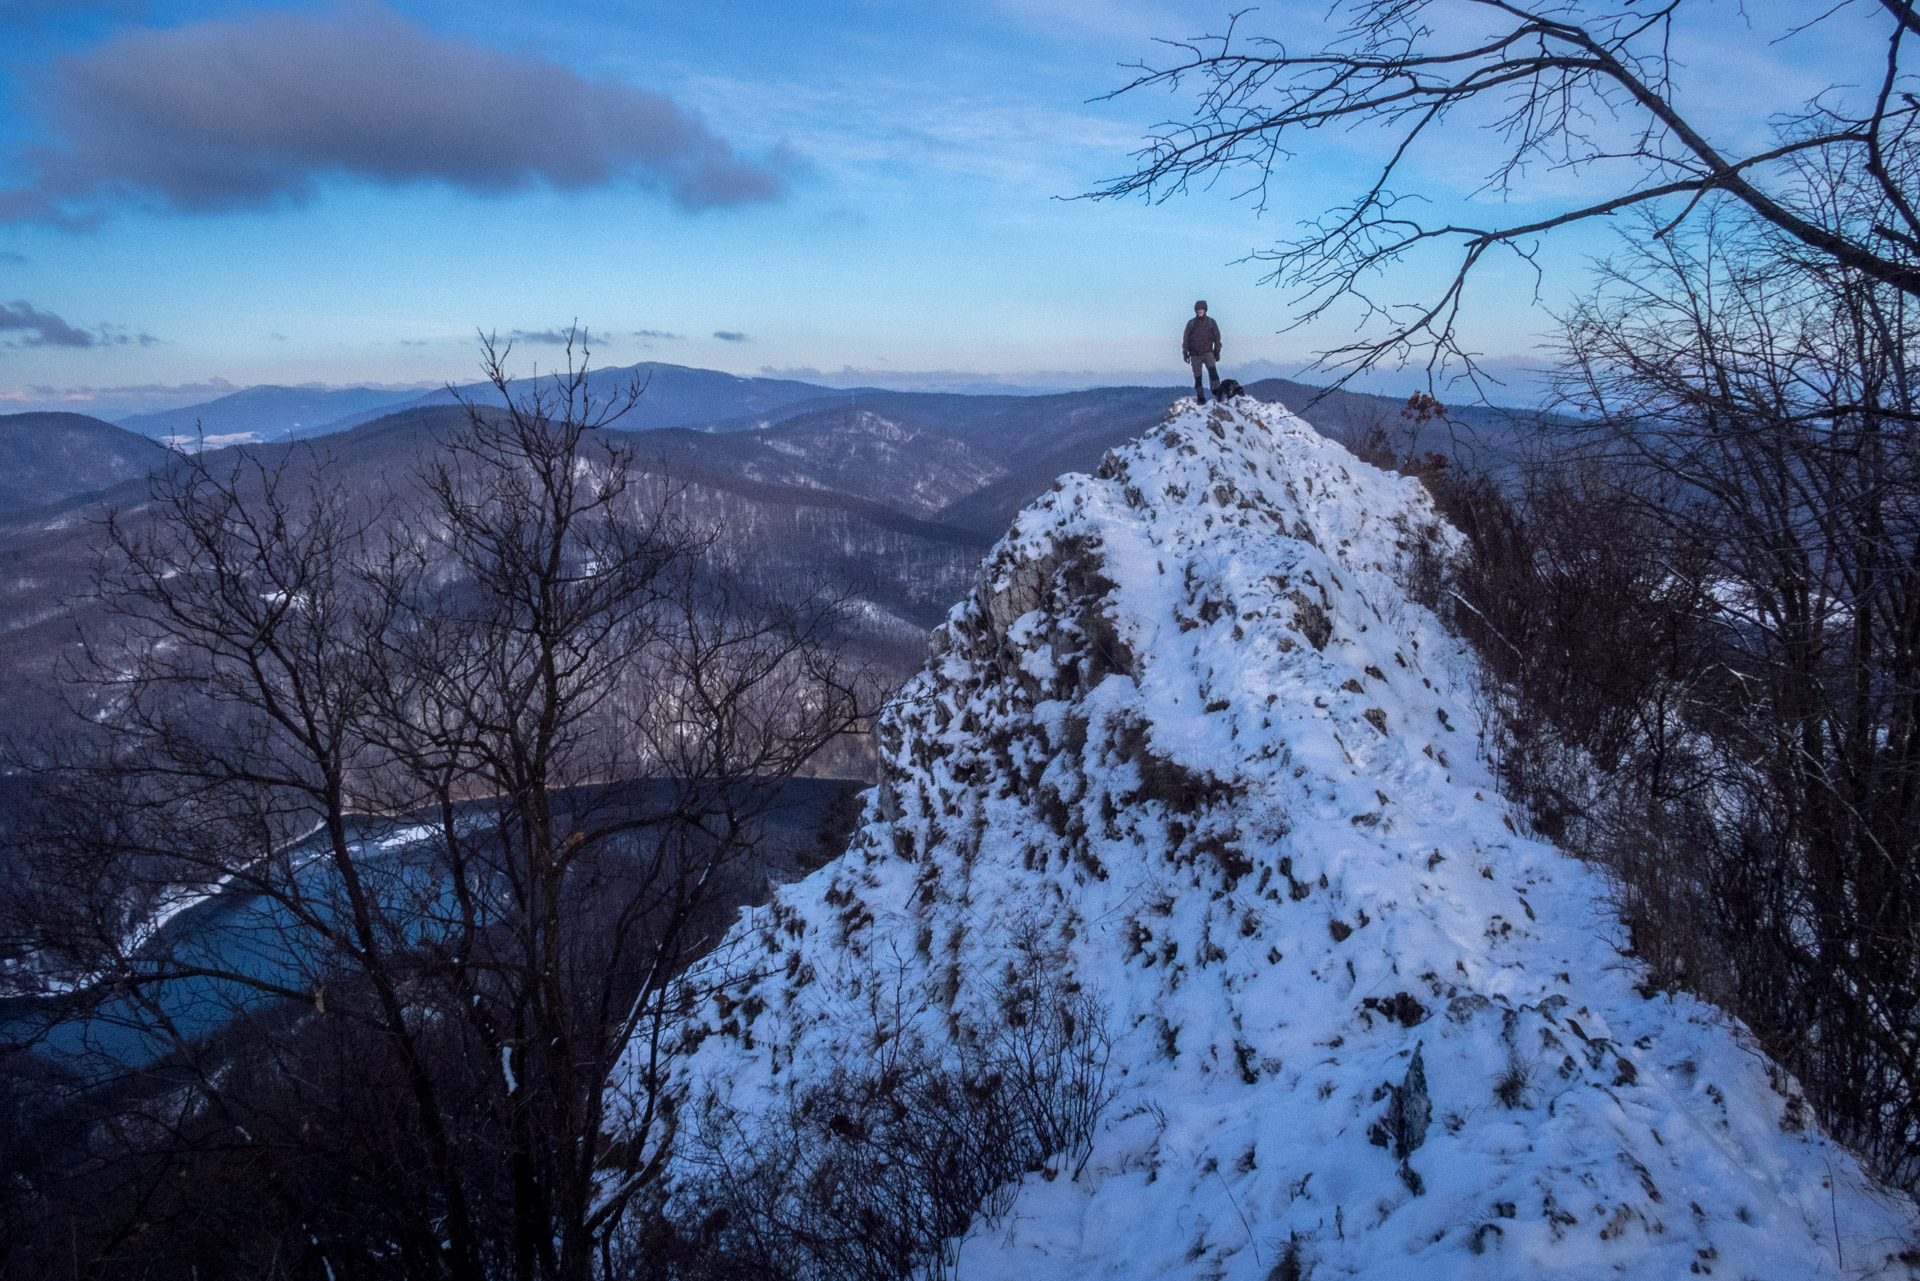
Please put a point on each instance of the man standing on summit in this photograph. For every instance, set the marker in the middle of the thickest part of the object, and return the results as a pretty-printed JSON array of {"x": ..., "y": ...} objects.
[{"x": 1201, "y": 346}]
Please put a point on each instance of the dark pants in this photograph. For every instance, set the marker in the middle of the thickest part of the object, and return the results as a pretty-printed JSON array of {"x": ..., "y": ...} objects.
[{"x": 1213, "y": 375}]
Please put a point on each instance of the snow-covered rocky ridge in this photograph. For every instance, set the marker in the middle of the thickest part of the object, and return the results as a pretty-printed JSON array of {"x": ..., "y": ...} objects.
[{"x": 1190, "y": 731}]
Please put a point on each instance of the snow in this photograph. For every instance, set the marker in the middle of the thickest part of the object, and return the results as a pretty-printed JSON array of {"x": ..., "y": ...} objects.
[{"x": 1190, "y": 737}]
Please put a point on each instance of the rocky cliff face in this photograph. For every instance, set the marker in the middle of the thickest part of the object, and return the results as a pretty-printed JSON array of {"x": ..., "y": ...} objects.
[{"x": 1190, "y": 741}]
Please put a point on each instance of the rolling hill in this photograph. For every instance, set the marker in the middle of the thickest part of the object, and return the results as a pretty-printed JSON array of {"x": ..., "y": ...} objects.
[
  {"x": 53, "y": 457},
  {"x": 890, "y": 496},
  {"x": 676, "y": 396},
  {"x": 265, "y": 413}
]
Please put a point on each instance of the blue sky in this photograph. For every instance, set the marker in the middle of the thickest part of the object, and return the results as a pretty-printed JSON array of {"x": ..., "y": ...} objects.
[{"x": 854, "y": 190}]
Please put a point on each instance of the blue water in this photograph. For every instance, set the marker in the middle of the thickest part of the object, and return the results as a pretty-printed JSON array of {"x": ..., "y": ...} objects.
[
  {"x": 100, "y": 1036},
  {"x": 235, "y": 932}
]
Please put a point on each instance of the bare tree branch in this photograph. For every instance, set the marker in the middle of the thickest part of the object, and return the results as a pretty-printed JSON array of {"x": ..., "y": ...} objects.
[{"x": 1585, "y": 88}]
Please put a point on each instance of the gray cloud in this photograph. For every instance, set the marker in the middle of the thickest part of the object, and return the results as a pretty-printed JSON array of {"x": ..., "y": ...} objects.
[
  {"x": 254, "y": 113},
  {"x": 192, "y": 391},
  {"x": 47, "y": 329},
  {"x": 116, "y": 403},
  {"x": 657, "y": 333},
  {"x": 115, "y": 336},
  {"x": 729, "y": 335},
  {"x": 550, "y": 337}
]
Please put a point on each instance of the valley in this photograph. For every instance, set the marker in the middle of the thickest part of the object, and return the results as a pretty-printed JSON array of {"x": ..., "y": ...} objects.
[{"x": 888, "y": 496}]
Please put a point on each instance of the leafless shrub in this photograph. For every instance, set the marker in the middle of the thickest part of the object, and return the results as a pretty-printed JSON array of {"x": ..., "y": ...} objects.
[
  {"x": 1703, "y": 617},
  {"x": 1511, "y": 1086},
  {"x": 875, "y": 1170}
]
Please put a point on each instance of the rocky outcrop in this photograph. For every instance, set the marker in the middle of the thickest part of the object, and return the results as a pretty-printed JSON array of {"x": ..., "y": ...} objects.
[{"x": 1190, "y": 744}]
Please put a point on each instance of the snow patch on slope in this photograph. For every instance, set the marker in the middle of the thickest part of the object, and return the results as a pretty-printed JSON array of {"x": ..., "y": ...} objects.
[{"x": 1190, "y": 737}]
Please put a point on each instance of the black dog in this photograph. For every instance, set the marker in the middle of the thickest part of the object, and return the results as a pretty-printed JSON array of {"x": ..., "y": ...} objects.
[{"x": 1228, "y": 389}]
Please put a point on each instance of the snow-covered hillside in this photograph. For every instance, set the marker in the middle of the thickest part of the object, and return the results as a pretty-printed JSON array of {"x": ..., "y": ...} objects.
[{"x": 1191, "y": 737}]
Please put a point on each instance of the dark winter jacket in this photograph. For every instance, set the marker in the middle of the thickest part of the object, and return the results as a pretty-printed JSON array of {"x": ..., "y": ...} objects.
[{"x": 1201, "y": 339}]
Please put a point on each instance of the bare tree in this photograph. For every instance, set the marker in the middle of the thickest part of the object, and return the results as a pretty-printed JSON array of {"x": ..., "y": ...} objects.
[
  {"x": 1764, "y": 407},
  {"x": 491, "y": 756},
  {"x": 875, "y": 1169},
  {"x": 1580, "y": 87},
  {"x": 1704, "y": 614}
]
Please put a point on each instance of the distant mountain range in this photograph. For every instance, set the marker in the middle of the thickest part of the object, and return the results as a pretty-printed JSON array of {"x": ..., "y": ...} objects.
[
  {"x": 889, "y": 496},
  {"x": 266, "y": 413},
  {"x": 709, "y": 401},
  {"x": 904, "y": 570},
  {"x": 969, "y": 461},
  {"x": 972, "y": 462},
  {"x": 676, "y": 396},
  {"x": 51, "y": 458}
]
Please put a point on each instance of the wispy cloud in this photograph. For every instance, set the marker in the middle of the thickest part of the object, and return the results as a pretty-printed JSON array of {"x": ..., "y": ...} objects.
[
  {"x": 191, "y": 391},
  {"x": 115, "y": 336},
  {"x": 730, "y": 335},
  {"x": 44, "y": 329},
  {"x": 859, "y": 130},
  {"x": 661, "y": 334},
  {"x": 255, "y": 112},
  {"x": 125, "y": 400},
  {"x": 1111, "y": 22},
  {"x": 116, "y": 401}
]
